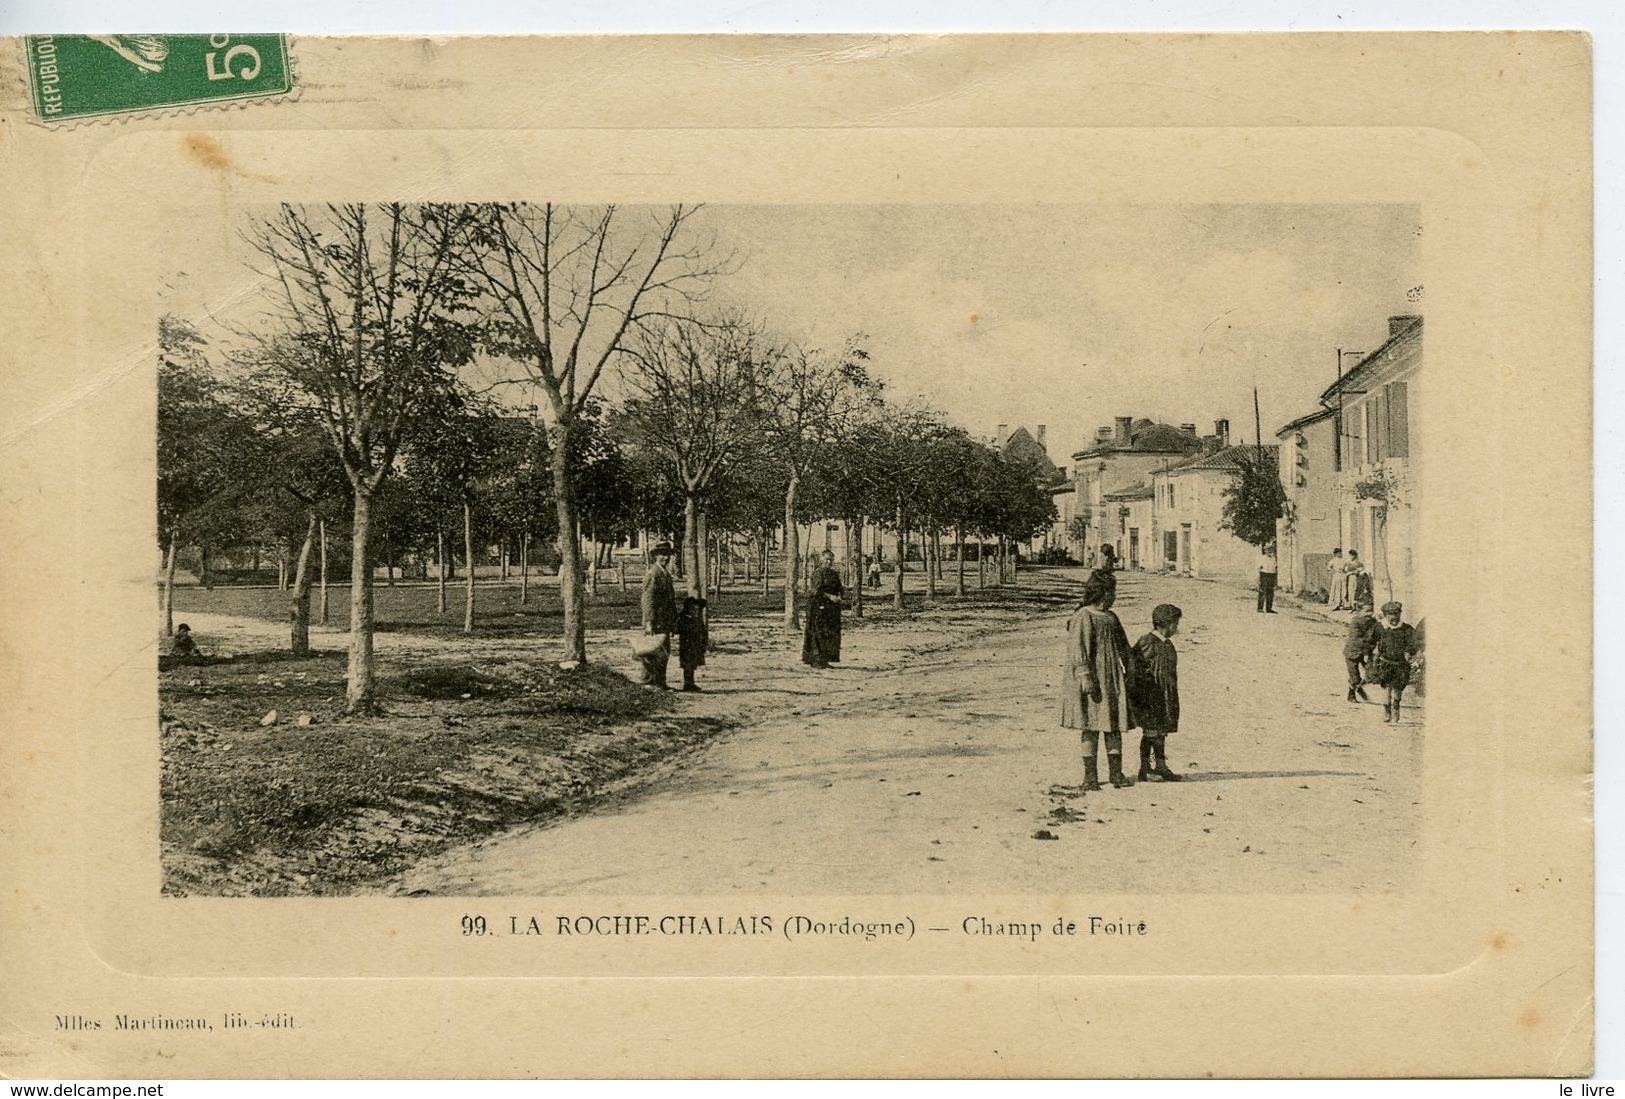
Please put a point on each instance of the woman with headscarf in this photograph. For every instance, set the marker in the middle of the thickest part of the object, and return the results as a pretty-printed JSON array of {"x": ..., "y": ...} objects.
[
  {"x": 1094, "y": 680},
  {"x": 821, "y": 644}
]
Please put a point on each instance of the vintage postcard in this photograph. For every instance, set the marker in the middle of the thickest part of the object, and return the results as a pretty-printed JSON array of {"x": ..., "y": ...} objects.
[{"x": 944, "y": 556}]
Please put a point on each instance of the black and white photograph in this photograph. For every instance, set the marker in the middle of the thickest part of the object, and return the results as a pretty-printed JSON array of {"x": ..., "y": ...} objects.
[
  {"x": 530, "y": 549},
  {"x": 781, "y": 557}
]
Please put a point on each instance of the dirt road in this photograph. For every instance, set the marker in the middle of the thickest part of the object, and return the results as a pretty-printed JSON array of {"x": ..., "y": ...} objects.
[{"x": 932, "y": 774}]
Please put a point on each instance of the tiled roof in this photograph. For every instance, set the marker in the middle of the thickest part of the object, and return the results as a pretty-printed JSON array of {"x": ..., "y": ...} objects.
[
  {"x": 1139, "y": 490},
  {"x": 1304, "y": 421},
  {"x": 1411, "y": 331},
  {"x": 1230, "y": 458},
  {"x": 1148, "y": 439}
]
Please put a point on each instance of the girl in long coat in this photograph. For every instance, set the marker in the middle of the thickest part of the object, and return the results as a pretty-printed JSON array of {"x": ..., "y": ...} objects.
[
  {"x": 821, "y": 645},
  {"x": 1094, "y": 680}
]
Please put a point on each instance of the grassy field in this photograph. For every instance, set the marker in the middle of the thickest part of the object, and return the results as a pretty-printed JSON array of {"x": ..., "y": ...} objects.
[
  {"x": 316, "y": 802},
  {"x": 498, "y": 613},
  {"x": 269, "y": 789}
]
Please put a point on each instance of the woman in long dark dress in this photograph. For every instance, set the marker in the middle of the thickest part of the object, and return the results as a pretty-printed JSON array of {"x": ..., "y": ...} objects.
[{"x": 821, "y": 645}]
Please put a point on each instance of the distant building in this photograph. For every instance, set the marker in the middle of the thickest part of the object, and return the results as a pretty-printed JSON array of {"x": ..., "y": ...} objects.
[
  {"x": 1311, "y": 528},
  {"x": 1123, "y": 454},
  {"x": 1130, "y": 509},
  {"x": 1028, "y": 447},
  {"x": 1188, "y": 510}
]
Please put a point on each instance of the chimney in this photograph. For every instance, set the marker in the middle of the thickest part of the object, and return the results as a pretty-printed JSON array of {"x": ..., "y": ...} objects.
[
  {"x": 1125, "y": 431},
  {"x": 1221, "y": 429},
  {"x": 1040, "y": 435},
  {"x": 1103, "y": 434},
  {"x": 1398, "y": 324},
  {"x": 1189, "y": 429},
  {"x": 1000, "y": 436}
]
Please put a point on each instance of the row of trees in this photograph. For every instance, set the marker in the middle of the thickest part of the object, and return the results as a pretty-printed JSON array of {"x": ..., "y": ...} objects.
[{"x": 623, "y": 400}]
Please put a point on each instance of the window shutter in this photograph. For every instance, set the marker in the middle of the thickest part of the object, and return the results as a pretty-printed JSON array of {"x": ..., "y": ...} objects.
[{"x": 1399, "y": 423}]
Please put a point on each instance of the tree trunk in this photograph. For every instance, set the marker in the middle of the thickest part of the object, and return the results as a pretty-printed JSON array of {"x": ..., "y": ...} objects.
[
  {"x": 981, "y": 562},
  {"x": 1013, "y": 555},
  {"x": 169, "y": 588},
  {"x": 321, "y": 526},
  {"x": 299, "y": 610},
  {"x": 902, "y": 559},
  {"x": 358, "y": 694},
  {"x": 281, "y": 568},
  {"x": 524, "y": 568},
  {"x": 203, "y": 567},
  {"x": 959, "y": 560},
  {"x": 468, "y": 559},
  {"x": 620, "y": 573},
  {"x": 766, "y": 580},
  {"x": 792, "y": 553},
  {"x": 928, "y": 553},
  {"x": 440, "y": 568},
  {"x": 570, "y": 588},
  {"x": 859, "y": 579},
  {"x": 694, "y": 547},
  {"x": 504, "y": 559}
]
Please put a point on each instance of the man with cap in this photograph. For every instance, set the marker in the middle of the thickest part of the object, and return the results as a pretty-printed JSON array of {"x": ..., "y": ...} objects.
[{"x": 659, "y": 614}]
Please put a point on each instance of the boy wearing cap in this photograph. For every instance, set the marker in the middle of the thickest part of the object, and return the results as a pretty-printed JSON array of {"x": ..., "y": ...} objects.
[{"x": 1391, "y": 655}]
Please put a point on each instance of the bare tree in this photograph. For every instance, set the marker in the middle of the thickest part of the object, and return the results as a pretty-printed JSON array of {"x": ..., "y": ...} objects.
[
  {"x": 694, "y": 400},
  {"x": 811, "y": 397},
  {"x": 572, "y": 287},
  {"x": 365, "y": 323}
]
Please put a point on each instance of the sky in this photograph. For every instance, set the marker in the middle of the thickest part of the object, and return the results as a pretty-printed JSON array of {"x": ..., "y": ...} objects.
[
  {"x": 1069, "y": 316},
  {"x": 1061, "y": 315}
]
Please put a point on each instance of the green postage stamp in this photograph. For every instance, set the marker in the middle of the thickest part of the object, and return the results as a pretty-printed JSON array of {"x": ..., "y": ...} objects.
[{"x": 77, "y": 76}]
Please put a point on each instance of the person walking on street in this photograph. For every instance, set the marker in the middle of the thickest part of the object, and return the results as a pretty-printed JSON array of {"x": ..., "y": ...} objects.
[
  {"x": 1391, "y": 657},
  {"x": 1094, "y": 687},
  {"x": 1357, "y": 645},
  {"x": 1266, "y": 579},
  {"x": 821, "y": 644},
  {"x": 1154, "y": 692},
  {"x": 659, "y": 615}
]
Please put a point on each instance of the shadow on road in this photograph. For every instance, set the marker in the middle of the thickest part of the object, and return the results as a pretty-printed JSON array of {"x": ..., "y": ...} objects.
[{"x": 1220, "y": 776}]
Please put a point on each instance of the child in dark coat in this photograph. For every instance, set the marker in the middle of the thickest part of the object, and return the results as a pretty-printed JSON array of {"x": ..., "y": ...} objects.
[
  {"x": 1155, "y": 692},
  {"x": 693, "y": 637},
  {"x": 1357, "y": 644},
  {"x": 1391, "y": 655}
]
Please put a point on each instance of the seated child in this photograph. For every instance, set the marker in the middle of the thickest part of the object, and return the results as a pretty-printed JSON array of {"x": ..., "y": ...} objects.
[{"x": 183, "y": 647}]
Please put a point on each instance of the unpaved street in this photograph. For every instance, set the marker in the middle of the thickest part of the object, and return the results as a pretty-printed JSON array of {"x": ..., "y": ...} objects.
[{"x": 932, "y": 774}]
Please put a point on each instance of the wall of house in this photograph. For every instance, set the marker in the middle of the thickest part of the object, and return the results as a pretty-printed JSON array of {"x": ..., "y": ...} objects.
[
  {"x": 1121, "y": 469},
  {"x": 1382, "y": 446},
  {"x": 1309, "y": 477},
  {"x": 1198, "y": 502}
]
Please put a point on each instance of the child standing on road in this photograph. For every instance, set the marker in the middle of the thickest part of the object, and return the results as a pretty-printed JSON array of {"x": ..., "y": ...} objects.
[
  {"x": 1391, "y": 658},
  {"x": 1094, "y": 688},
  {"x": 1155, "y": 692},
  {"x": 693, "y": 638}
]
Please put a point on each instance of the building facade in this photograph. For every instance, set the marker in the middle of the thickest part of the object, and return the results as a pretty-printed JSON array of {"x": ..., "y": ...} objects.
[
  {"x": 1311, "y": 527},
  {"x": 1123, "y": 455},
  {"x": 1188, "y": 513},
  {"x": 1378, "y": 462}
]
